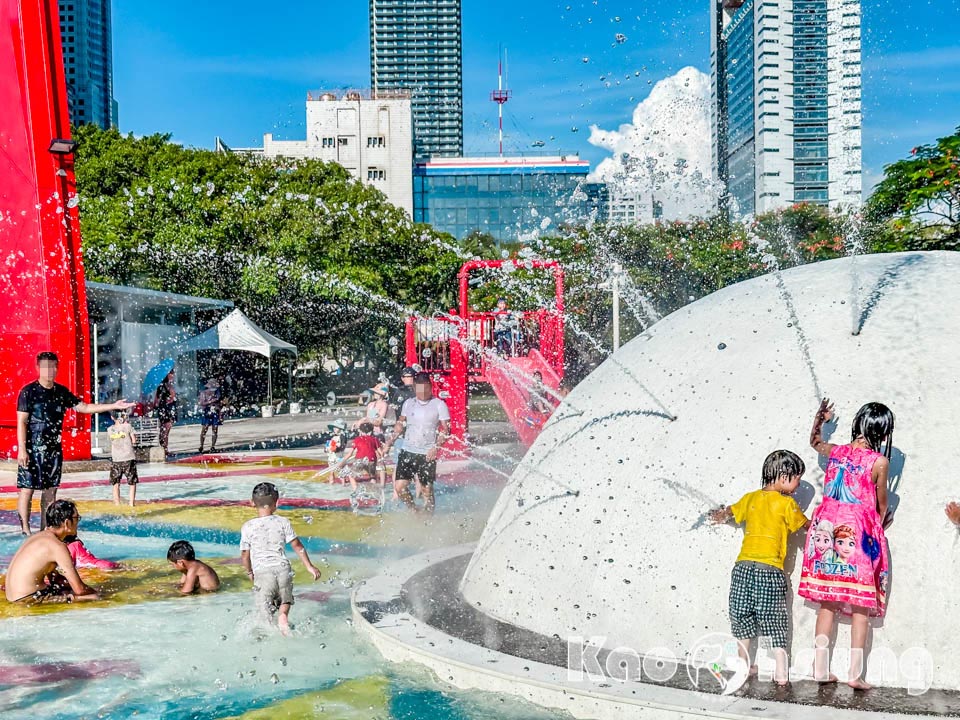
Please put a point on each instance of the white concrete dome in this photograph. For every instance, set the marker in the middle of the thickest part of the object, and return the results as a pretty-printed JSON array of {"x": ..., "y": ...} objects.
[{"x": 631, "y": 557}]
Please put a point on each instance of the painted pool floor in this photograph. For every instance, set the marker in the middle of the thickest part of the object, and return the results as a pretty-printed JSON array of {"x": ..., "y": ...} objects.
[{"x": 143, "y": 651}]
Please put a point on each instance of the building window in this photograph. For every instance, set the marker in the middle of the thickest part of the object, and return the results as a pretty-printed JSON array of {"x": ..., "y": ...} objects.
[
  {"x": 376, "y": 142},
  {"x": 342, "y": 141},
  {"x": 327, "y": 142},
  {"x": 376, "y": 174}
]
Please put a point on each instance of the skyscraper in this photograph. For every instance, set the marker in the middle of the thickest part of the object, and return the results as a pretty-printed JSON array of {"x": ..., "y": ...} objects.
[
  {"x": 86, "y": 31},
  {"x": 417, "y": 45},
  {"x": 786, "y": 100}
]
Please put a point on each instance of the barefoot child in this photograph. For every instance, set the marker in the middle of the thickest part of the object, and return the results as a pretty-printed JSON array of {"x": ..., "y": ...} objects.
[
  {"x": 336, "y": 447},
  {"x": 123, "y": 458},
  {"x": 262, "y": 542},
  {"x": 853, "y": 578},
  {"x": 758, "y": 586},
  {"x": 196, "y": 574},
  {"x": 362, "y": 461}
]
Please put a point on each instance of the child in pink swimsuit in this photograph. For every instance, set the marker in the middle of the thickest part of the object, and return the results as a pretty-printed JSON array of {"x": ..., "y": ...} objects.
[{"x": 852, "y": 575}]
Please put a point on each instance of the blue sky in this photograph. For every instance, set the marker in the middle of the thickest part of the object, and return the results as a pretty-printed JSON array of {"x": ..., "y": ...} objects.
[{"x": 240, "y": 69}]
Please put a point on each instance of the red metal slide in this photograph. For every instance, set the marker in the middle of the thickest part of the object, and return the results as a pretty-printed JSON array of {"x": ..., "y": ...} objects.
[
  {"x": 511, "y": 381},
  {"x": 44, "y": 303}
]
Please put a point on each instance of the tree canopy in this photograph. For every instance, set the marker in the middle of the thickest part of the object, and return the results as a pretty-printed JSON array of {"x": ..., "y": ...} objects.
[
  {"x": 327, "y": 263},
  {"x": 309, "y": 253},
  {"x": 922, "y": 194}
]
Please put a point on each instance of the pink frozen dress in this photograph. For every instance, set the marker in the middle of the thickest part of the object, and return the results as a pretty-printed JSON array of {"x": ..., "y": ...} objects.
[{"x": 845, "y": 556}]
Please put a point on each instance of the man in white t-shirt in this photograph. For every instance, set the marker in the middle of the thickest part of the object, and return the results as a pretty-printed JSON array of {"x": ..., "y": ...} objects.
[{"x": 426, "y": 420}]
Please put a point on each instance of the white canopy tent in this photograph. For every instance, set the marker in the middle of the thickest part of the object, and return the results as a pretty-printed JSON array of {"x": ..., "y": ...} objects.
[{"x": 238, "y": 332}]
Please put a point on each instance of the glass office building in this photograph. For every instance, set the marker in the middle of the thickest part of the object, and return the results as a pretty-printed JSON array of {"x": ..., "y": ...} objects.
[
  {"x": 786, "y": 103},
  {"x": 511, "y": 199},
  {"x": 86, "y": 33},
  {"x": 739, "y": 126},
  {"x": 810, "y": 96},
  {"x": 416, "y": 45}
]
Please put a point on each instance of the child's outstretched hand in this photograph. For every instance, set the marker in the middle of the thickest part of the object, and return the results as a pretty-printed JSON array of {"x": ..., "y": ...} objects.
[
  {"x": 953, "y": 512},
  {"x": 720, "y": 515},
  {"x": 314, "y": 571},
  {"x": 825, "y": 412}
]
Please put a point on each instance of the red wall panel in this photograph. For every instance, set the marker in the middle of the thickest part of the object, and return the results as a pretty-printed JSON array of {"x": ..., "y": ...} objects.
[{"x": 42, "y": 298}]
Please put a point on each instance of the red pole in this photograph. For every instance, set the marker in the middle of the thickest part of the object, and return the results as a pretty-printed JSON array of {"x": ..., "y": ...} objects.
[
  {"x": 410, "y": 342},
  {"x": 559, "y": 320},
  {"x": 464, "y": 277},
  {"x": 457, "y": 400}
]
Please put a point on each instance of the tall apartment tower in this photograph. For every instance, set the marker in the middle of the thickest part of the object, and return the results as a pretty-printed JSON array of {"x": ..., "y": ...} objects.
[
  {"x": 786, "y": 102},
  {"x": 416, "y": 45},
  {"x": 86, "y": 32}
]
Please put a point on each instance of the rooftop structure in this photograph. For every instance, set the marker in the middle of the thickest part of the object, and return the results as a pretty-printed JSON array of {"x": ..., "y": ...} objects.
[{"x": 367, "y": 132}]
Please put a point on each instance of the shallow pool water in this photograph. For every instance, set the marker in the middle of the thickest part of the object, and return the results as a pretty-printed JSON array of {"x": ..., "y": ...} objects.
[{"x": 145, "y": 652}]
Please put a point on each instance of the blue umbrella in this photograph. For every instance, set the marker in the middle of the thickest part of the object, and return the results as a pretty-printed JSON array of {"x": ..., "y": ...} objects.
[{"x": 156, "y": 375}]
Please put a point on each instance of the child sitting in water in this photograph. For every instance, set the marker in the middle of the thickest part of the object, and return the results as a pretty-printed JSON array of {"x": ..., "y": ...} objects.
[
  {"x": 362, "y": 461},
  {"x": 758, "y": 586},
  {"x": 262, "y": 542},
  {"x": 196, "y": 574}
]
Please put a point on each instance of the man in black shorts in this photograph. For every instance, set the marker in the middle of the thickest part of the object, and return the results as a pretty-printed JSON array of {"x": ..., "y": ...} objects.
[
  {"x": 41, "y": 406},
  {"x": 426, "y": 420}
]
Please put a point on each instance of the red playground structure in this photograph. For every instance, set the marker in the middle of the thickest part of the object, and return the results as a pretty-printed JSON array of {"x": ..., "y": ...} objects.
[
  {"x": 42, "y": 278},
  {"x": 462, "y": 350}
]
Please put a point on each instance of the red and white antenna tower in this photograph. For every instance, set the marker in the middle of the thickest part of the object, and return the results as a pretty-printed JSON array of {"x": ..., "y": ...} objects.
[{"x": 501, "y": 94}]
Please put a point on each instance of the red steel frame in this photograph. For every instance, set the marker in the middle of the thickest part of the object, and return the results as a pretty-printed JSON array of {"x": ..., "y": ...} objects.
[
  {"x": 41, "y": 280},
  {"x": 454, "y": 363}
]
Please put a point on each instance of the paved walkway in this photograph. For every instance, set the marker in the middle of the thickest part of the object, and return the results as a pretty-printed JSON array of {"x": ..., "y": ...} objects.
[{"x": 281, "y": 432}]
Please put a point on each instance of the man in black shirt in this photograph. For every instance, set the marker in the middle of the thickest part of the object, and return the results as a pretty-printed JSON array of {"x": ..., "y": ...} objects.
[{"x": 41, "y": 406}]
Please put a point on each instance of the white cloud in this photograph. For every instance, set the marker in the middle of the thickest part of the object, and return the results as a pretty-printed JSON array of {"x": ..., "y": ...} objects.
[{"x": 664, "y": 153}]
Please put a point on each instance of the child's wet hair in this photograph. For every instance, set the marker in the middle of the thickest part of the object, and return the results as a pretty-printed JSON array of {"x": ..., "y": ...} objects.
[
  {"x": 782, "y": 462},
  {"x": 874, "y": 423},
  {"x": 265, "y": 494},
  {"x": 366, "y": 428},
  {"x": 59, "y": 511},
  {"x": 181, "y": 550}
]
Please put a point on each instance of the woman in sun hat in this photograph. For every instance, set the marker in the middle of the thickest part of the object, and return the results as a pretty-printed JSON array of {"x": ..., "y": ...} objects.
[{"x": 378, "y": 409}]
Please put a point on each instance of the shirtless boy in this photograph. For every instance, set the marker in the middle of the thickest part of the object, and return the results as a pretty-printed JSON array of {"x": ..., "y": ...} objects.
[{"x": 197, "y": 575}]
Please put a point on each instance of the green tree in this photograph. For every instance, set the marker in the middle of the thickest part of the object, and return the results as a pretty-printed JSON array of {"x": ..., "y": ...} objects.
[
  {"x": 920, "y": 197},
  {"x": 310, "y": 254}
]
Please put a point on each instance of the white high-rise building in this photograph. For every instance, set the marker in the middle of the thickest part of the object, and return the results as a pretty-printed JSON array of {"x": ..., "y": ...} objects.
[
  {"x": 369, "y": 134},
  {"x": 786, "y": 102}
]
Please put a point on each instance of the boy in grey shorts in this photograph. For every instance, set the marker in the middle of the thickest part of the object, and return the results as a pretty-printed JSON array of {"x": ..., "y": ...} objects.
[{"x": 262, "y": 542}]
